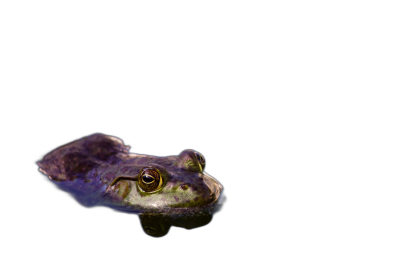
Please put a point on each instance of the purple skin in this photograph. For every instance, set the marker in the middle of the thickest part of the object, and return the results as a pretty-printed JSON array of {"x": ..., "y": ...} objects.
[{"x": 99, "y": 170}]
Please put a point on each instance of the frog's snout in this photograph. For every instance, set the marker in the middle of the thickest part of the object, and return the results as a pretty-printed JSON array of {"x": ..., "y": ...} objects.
[{"x": 214, "y": 186}]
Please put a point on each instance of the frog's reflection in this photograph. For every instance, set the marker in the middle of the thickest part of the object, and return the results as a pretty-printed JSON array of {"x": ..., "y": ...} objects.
[{"x": 157, "y": 225}]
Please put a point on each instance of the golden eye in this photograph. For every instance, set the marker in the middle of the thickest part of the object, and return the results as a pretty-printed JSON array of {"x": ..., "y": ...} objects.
[
  {"x": 201, "y": 160},
  {"x": 199, "y": 157},
  {"x": 150, "y": 179}
]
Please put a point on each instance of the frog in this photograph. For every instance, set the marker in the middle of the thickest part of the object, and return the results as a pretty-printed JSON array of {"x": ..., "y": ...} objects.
[{"x": 99, "y": 170}]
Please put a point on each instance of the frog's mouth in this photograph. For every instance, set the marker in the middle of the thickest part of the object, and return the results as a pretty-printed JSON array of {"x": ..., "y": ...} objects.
[{"x": 134, "y": 200}]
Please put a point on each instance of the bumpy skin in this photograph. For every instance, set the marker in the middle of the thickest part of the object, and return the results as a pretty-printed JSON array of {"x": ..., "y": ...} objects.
[{"x": 99, "y": 170}]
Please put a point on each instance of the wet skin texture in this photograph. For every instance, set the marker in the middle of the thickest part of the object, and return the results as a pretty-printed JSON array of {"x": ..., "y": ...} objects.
[{"x": 99, "y": 170}]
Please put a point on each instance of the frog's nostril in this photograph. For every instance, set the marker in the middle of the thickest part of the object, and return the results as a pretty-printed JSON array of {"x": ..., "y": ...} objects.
[{"x": 185, "y": 186}]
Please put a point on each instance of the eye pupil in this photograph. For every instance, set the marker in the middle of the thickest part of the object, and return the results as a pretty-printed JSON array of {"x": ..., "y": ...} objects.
[{"x": 148, "y": 179}]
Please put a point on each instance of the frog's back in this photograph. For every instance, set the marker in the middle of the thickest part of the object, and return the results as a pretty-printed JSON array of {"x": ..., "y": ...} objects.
[{"x": 74, "y": 160}]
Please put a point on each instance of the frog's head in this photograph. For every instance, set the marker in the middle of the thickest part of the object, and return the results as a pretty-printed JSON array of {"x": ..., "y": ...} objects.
[{"x": 173, "y": 183}]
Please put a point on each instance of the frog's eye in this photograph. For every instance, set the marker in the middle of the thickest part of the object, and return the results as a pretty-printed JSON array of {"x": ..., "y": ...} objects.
[
  {"x": 199, "y": 157},
  {"x": 201, "y": 160},
  {"x": 150, "y": 179},
  {"x": 191, "y": 160}
]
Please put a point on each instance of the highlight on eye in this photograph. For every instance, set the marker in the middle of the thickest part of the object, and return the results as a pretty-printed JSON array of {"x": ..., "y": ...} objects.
[{"x": 150, "y": 179}]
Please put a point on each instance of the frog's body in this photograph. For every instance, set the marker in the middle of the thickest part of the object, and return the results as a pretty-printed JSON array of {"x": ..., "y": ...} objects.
[{"x": 99, "y": 170}]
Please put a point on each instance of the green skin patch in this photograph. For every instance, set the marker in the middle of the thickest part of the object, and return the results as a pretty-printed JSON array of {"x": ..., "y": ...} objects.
[{"x": 99, "y": 170}]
